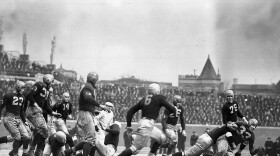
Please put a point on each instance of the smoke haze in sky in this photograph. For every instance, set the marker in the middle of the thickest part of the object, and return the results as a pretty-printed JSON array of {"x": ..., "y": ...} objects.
[{"x": 152, "y": 40}]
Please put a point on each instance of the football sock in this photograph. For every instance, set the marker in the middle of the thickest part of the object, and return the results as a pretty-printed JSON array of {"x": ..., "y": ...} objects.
[
  {"x": 15, "y": 147},
  {"x": 178, "y": 154},
  {"x": 170, "y": 148},
  {"x": 86, "y": 149},
  {"x": 155, "y": 147},
  {"x": 3, "y": 139}
]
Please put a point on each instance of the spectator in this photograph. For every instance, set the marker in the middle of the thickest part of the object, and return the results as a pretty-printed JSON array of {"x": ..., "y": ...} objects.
[{"x": 268, "y": 146}]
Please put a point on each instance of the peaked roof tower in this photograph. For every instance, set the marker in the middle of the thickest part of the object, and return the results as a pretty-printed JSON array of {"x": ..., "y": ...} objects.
[{"x": 208, "y": 72}]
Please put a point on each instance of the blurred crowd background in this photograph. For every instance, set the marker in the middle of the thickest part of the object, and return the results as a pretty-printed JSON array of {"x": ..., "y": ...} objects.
[{"x": 201, "y": 107}]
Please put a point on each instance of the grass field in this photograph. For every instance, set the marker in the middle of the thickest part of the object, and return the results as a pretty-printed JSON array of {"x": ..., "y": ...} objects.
[{"x": 143, "y": 152}]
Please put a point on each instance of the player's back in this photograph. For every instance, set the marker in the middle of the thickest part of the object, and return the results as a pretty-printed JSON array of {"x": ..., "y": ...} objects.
[
  {"x": 151, "y": 105},
  {"x": 13, "y": 102},
  {"x": 39, "y": 93},
  {"x": 243, "y": 133}
]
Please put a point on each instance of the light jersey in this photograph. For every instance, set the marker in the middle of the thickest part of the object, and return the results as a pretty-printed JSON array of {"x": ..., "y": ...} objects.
[{"x": 105, "y": 118}]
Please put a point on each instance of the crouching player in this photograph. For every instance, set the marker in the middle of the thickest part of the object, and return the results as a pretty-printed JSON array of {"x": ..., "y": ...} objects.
[
  {"x": 14, "y": 120},
  {"x": 106, "y": 148},
  {"x": 243, "y": 135},
  {"x": 56, "y": 141},
  {"x": 206, "y": 140}
]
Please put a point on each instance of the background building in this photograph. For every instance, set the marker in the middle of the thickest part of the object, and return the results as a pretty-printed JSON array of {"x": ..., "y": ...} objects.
[{"x": 208, "y": 79}]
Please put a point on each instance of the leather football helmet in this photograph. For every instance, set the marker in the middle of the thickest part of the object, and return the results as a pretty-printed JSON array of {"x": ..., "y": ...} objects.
[
  {"x": 60, "y": 137},
  {"x": 92, "y": 78},
  {"x": 48, "y": 79},
  {"x": 230, "y": 95},
  {"x": 20, "y": 86},
  {"x": 154, "y": 88}
]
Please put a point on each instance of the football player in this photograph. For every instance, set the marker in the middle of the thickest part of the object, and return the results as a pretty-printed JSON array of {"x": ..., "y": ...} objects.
[
  {"x": 37, "y": 100},
  {"x": 14, "y": 120},
  {"x": 230, "y": 110},
  {"x": 104, "y": 119},
  {"x": 206, "y": 140},
  {"x": 55, "y": 144},
  {"x": 169, "y": 123},
  {"x": 106, "y": 148},
  {"x": 63, "y": 107},
  {"x": 150, "y": 106},
  {"x": 87, "y": 104},
  {"x": 243, "y": 135}
]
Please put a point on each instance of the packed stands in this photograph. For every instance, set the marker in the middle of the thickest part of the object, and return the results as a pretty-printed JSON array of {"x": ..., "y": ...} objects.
[{"x": 201, "y": 107}]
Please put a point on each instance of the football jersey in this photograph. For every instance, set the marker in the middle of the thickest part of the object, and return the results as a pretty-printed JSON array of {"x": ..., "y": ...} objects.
[
  {"x": 230, "y": 112},
  {"x": 39, "y": 94},
  {"x": 150, "y": 106},
  {"x": 13, "y": 102},
  {"x": 172, "y": 118},
  {"x": 217, "y": 132},
  {"x": 243, "y": 134},
  {"x": 113, "y": 135},
  {"x": 64, "y": 108},
  {"x": 87, "y": 99},
  {"x": 105, "y": 118}
]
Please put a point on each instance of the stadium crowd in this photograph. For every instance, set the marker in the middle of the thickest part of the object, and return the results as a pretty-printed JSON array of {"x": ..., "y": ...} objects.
[
  {"x": 12, "y": 65},
  {"x": 201, "y": 107}
]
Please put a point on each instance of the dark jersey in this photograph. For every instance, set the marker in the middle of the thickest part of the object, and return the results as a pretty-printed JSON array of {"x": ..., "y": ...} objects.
[
  {"x": 243, "y": 134},
  {"x": 172, "y": 118},
  {"x": 150, "y": 106},
  {"x": 13, "y": 103},
  {"x": 217, "y": 132},
  {"x": 230, "y": 112},
  {"x": 87, "y": 100},
  {"x": 39, "y": 95},
  {"x": 56, "y": 145},
  {"x": 64, "y": 108},
  {"x": 113, "y": 135}
]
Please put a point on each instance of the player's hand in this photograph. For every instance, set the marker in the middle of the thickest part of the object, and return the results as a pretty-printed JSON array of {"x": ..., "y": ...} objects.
[
  {"x": 56, "y": 114},
  {"x": 184, "y": 133},
  {"x": 245, "y": 120},
  {"x": 237, "y": 154}
]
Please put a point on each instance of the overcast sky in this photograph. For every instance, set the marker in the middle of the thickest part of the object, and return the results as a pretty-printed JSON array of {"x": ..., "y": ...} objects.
[{"x": 153, "y": 40}]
